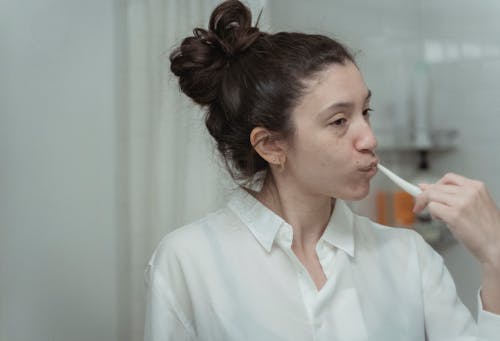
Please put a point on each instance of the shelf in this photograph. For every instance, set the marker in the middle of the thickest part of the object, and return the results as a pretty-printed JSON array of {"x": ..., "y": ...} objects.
[{"x": 441, "y": 140}]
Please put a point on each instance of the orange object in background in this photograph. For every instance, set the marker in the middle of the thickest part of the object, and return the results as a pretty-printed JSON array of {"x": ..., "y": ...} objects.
[
  {"x": 403, "y": 209},
  {"x": 395, "y": 209},
  {"x": 382, "y": 207}
]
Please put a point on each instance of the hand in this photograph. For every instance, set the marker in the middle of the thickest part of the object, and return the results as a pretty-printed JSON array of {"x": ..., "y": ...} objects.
[{"x": 470, "y": 213}]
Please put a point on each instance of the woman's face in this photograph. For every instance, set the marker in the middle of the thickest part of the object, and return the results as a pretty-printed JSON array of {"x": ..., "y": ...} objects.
[{"x": 332, "y": 150}]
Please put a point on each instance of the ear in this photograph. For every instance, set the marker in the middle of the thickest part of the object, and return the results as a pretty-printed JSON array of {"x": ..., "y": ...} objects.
[{"x": 269, "y": 145}]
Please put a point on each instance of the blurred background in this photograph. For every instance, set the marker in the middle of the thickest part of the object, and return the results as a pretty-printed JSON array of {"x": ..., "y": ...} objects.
[{"x": 101, "y": 156}]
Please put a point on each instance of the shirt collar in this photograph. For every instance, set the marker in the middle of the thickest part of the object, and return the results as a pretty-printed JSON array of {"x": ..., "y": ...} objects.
[
  {"x": 340, "y": 229},
  {"x": 264, "y": 224},
  {"x": 261, "y": 221}
]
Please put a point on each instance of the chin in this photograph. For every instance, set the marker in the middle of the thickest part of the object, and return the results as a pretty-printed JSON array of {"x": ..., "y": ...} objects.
[
  {"x": 359, "y": 197},
  {"x": 357, "y": 194}
]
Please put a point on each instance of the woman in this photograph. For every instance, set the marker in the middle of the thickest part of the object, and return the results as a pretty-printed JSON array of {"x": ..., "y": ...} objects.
[{"x": 289, "y": 261}]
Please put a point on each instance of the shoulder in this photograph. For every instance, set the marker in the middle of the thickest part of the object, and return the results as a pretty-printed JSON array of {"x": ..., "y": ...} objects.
[
  {"x": 402, "y": 252},
  {"x": 397, "y": 240},
  {"x": 372, "y": 229},
  {"x": 197, "y": 235},
  {"x": 182, "y": 255}
]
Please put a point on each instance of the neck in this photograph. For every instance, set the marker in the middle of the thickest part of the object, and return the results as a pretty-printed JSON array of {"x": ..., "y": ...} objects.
[{"x": 307, "y": 213}]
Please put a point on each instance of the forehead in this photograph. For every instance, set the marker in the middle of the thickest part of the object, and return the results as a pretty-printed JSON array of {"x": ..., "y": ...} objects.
[{"x": 337, "y": 83}]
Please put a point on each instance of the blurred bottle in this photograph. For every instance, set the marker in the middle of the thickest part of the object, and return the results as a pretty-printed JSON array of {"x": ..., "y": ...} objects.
[{"x": 403, "y": 209}]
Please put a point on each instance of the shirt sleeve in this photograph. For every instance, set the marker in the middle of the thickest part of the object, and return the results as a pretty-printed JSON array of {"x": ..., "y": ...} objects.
[
  {"x": 446, "y": 317},
  {"x": 164, "y": 321},
  {"x": 488, "y": 323}
]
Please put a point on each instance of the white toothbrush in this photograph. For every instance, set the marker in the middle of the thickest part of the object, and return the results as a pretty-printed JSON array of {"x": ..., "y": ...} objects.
[{"x": 405, "y": 185}]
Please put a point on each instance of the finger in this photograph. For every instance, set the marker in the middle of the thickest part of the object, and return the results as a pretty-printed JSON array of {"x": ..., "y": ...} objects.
[
  {"x": 445, "y": 194},
  {"x": 440, "y": 211},
  {"x": 453, "y": 179},
  {"x": 449, "y": 189},
  {"x": 442, "y": 197},
  {"x": 452, "y": 189},
  {"x": 421, "y": 201}
]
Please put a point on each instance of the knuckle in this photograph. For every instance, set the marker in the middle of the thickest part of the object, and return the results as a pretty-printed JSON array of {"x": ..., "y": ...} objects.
[
  {"x": 449, "y": 175},
  {"x": 477, "y": 187},
  {"x": 480, "y": 185}
]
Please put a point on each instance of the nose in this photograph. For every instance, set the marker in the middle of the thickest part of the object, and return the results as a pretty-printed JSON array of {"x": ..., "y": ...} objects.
[{"x": 365, "y": 138}]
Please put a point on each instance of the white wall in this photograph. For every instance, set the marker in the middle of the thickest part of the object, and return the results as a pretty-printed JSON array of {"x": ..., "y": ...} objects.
[
  {"x": 460, "y": 39},
  {"x": 58, "y": 231},
  {"x": 465, "y": 97}
]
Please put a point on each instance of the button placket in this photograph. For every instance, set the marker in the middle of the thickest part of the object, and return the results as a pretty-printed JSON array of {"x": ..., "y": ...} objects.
[{"x": 306, "y": 284}]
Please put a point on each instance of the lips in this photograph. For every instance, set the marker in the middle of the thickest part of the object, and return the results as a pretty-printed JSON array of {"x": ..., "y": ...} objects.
[{"x": 370, "y": 167}]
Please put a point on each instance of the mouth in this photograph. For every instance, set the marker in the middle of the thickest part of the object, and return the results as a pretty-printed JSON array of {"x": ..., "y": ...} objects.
[{"x": 372, "y": 167}]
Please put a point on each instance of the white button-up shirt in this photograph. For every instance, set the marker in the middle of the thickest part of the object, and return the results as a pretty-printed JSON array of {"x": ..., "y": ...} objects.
[{"x": 233, "y": 276}]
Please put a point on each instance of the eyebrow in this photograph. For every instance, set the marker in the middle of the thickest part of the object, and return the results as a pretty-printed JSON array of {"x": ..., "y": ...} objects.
[{"x": 341, "y": 106}]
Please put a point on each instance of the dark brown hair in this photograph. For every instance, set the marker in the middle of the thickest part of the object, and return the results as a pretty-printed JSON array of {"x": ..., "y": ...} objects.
[{"x": 247, "y": 78}]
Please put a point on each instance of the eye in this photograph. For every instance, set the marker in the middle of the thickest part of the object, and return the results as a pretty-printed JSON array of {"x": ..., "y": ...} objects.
[
  {"x": 339, "y": 122},
  {"x": 366, "y": 112}
]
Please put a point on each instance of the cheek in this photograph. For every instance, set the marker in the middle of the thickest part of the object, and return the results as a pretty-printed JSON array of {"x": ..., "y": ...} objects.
[
  {"x": 336, "y": 157},
  {"x": 321, "y": 154}
]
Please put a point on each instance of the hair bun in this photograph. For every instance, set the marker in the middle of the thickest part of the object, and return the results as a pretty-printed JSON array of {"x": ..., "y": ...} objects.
[
  {"x": 231, "y": 22},
  {"x": 198, "y": 60}
]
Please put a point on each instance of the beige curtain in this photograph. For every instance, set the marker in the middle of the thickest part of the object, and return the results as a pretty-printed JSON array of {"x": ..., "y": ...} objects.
[{"x": 172, "y": 174}]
